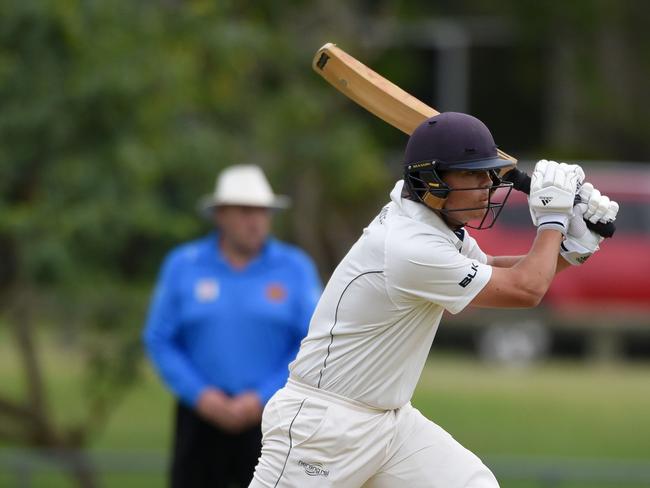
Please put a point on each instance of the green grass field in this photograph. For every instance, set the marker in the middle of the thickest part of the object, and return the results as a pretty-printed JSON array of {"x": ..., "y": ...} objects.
[{"x": 567, "y": 411}]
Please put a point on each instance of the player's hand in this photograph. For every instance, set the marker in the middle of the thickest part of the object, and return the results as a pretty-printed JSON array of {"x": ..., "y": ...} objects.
[
  {"x": 599, "y": 207},
  {"x": 217, "y": 407},
  {"x": 552, "y": 194},
  {"x": 580, "y": 242}
]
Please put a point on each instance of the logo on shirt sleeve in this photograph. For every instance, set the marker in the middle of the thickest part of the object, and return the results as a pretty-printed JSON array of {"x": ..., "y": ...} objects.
[
  {"x": 206, "y": 290},
  {"x": 470, "y": 276}
]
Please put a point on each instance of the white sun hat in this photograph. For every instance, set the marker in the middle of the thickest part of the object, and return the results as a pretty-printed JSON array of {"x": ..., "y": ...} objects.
[{"x": 243, "y": 184}]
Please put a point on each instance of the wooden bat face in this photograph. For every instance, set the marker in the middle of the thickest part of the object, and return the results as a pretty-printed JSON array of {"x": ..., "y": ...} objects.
[
  {"x": 370, "y": 90},
  {"x": 374, "y": 92}
]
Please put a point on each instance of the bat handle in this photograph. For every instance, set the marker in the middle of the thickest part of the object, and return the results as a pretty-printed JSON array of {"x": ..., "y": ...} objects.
[{"x": 521, "y": 182}]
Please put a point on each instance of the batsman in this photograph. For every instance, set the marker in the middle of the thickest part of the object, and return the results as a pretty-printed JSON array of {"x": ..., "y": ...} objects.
[{"x": 344, "y": 418}]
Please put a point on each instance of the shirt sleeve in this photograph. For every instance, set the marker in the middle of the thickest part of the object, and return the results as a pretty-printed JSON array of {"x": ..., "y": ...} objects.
[
  {"x": 431, "y": 268},
  {"x": 471, "y": 249},
  {"x": 309, "y": 289},
  {"x": 160, "y": 337}
]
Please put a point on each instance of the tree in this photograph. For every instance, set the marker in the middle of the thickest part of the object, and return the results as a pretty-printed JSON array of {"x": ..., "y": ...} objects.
[{"x": 116, "y": 116}]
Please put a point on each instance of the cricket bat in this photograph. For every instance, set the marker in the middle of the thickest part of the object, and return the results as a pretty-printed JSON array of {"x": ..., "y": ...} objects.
[{"x": 400, "y": 109}]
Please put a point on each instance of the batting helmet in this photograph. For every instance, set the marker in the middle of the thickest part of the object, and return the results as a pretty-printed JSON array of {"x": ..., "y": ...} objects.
[{"x": 450, "y": 141}]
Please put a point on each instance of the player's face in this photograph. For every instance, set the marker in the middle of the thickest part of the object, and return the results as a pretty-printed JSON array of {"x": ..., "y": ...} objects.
[
  {"x": 243, "y": 228},
  {"x": 475, "y": 198}
]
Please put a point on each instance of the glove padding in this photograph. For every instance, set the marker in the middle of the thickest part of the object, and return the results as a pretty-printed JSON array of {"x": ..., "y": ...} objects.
[
  {"x": 552, "y": 194},
  {"x": 580, "y": 242},
  {"x": 599, "y": 207}
]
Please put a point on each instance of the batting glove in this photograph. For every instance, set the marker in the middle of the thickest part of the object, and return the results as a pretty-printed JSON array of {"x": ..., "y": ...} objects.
[
  {"x": 552, "y": 194},
  {"x": 599, "y": 207},
  {"x": 580, "y": 242}
]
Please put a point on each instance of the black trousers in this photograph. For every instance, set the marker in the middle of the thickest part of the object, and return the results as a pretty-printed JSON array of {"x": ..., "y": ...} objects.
[{"x": 206, "y": 457}]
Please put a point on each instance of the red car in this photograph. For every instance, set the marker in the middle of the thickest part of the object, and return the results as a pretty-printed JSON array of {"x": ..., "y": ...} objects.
[{"x": 606, "y": 301}]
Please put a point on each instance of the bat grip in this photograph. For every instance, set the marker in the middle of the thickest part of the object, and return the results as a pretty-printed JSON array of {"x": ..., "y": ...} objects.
[{"x": 521, "y": 182}]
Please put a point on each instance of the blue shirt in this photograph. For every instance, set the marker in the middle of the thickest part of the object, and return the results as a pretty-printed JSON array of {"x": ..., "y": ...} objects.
[{"x": 210, "y": 324}]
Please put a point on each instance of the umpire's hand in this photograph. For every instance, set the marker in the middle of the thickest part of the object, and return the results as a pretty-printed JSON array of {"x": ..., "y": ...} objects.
[{"x": 231, "y": 414}]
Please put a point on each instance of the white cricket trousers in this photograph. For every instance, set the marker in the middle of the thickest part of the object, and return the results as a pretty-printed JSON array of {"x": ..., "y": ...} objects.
[{"x": 313, "y": 438}]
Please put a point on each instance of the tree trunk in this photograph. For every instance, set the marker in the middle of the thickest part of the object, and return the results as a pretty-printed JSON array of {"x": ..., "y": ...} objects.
[
  {"x": 22, "y": 322},
  {"x": 79, "y": 467},
  {"x": 35, "y": 422}
]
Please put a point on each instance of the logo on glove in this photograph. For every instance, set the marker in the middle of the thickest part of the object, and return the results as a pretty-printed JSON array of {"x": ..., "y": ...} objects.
[{"x": 545, "y": 200}]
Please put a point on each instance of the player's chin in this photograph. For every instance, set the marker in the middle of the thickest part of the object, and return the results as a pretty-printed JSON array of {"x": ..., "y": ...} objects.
[
  {"x": 475, "y": 216},
  {"x": 481, "y": 207}
]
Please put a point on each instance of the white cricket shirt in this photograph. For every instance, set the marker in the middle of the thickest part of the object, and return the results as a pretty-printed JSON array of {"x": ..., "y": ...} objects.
[{"x": 373, "y": 327}]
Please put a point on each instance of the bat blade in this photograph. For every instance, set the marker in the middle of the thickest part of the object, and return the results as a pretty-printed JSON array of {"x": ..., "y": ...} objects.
[
  {"x": 374, "y": 92},
  {"x": 370, "y": 90}
]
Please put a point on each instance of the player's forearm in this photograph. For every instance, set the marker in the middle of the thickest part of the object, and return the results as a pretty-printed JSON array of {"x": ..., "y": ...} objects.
[
  {"x": 537, "y": 269},
  {"x": 562, "y": 264},
  {"x": 503, "y": 261},
  {"x": 510, "y": 261}
]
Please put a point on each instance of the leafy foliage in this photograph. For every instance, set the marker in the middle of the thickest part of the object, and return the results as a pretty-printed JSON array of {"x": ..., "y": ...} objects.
[{"x": 116, "y": 118}]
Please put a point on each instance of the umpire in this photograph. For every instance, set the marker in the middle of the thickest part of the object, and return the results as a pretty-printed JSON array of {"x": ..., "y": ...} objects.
[{"x": 227, "y": 316}]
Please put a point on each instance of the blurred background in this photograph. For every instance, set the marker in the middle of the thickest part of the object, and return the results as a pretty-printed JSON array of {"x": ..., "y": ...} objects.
[{"x": 116, "y": 116}]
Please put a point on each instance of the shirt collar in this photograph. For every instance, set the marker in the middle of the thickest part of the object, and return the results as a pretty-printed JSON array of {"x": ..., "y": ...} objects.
[
  {"x": 269, "y": 249},
  {"x": 420, "y": 213}
]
